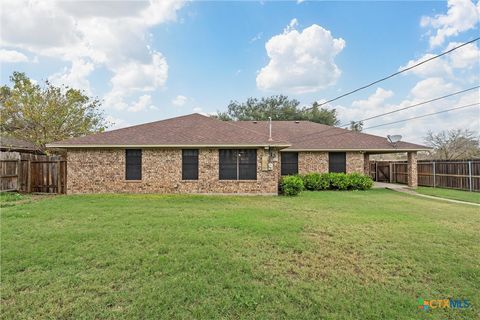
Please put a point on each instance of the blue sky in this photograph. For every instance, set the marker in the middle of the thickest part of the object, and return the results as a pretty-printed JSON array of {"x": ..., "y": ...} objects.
[{"x": 152, "y": 61}]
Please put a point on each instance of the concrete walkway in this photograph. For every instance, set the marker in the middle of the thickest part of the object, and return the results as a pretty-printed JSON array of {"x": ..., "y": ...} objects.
[{"x": 404, "y": 189}]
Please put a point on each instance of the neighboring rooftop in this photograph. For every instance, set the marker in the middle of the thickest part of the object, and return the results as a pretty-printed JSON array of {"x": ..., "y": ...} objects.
[
  {"x": 14, "y": 144},
  {"x": 198, "y": 130}
]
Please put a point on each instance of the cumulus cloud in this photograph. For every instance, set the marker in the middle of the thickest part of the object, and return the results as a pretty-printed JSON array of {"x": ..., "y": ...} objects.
[
  {"x": 75, "y": 76},
  {"x": 116, "y": 123},
  {"x": 12, "y": 56},
  {"x": 110, "y": 34},
  {"x": 462, "y": 15},
  {"x": 301, "y": 62},
  {"x": 143, "y": 103},
  {"x": 179, "y": 100}
]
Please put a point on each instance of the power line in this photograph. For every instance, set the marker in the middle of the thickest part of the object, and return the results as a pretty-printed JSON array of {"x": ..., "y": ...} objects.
[
  {"x": 425, "y": 115},
  {"x": 393, "y": 111},
  {"x": 345, "y": 131},
  {"x": 414, "y": 105},
  {"x": 398, "y": 72}
]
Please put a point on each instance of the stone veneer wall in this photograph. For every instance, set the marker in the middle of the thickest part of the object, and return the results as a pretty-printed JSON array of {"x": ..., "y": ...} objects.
[
  {"x": 355, "y": 162},
  {"x": 317, "y": 161},
  {"x": 103, "y": 171},
  {"x": 312, "y": 162}
]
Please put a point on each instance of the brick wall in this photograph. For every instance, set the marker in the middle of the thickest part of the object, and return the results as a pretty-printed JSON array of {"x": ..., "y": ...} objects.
[
  {"x": 355, "y": 162},
  {"x": 312, "y": 162},
  {"x": 318, "y": 162},
  {"x": 103, "y": 171}
]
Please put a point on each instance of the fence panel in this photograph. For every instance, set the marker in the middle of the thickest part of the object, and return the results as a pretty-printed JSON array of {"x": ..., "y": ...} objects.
[
  {"x": 462, "y": 175},
  {"x": 42, "y": 176}
]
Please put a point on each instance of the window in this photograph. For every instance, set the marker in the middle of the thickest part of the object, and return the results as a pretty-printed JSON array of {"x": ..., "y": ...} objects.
[
  {"x": 289, "y": 163},
  {"x": 133, "y": 164},
  {"x": 190, "y": 164},
  {"x": 337, "y": 162},
  {"x": 238, "y": 164}
]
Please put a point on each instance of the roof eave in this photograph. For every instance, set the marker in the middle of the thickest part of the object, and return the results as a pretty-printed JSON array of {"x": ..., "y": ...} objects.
[
  {"x": 358, "y": 149},
  {"x": 99, "y": 146}
]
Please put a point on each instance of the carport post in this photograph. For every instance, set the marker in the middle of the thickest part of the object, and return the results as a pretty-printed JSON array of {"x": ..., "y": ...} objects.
[{"x": 412, "y": 169}]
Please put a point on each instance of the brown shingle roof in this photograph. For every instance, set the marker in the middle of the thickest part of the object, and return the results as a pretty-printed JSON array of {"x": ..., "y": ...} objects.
[
  {"x": 189, "y": 130},
  {"x": 306, "y": 135},
  {"x": 16, "y": 144},
  {"x": 199, "y": 130}
]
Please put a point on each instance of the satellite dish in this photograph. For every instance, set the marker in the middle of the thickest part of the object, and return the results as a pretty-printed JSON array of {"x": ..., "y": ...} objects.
[{"x": 394, "y": 138}]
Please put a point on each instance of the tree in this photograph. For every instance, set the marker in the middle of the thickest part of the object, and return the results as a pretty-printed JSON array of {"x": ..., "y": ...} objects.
[
  {"x": 356, "y": 126},
  {"x": 278, "y": 108},
  {"x": 454, "y": 144},
  {"x": 43, "y": 114}
]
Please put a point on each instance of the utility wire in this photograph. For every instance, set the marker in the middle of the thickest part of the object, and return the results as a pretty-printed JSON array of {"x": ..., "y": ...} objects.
[
  {"x": 398, "y": 72},
  {"x": 404, "y": 120},
  {"x": 390, "y": 112},
  {"x": 425, "y": 115},
  {"x": 413, "y": 105}
]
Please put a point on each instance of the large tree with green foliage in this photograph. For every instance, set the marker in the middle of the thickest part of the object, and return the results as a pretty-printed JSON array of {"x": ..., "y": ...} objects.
[
  {"x": 279, "y": 108},
  {"x": 43, "y": 114}
]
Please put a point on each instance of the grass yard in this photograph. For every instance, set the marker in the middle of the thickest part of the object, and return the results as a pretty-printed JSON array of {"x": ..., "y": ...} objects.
[
  {"x": 330, "y": 255},
  {"x": 451, "y": 194}
]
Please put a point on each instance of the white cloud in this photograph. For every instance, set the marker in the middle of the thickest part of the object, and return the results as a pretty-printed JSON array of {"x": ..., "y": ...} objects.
[
  {"x": 301, "y": 62},
  {"x": 137, "y": 76},
  {"x": 110, "y": 34},
  {"x": 143, "y": 103},
  {"x": 375, "y": 100},
  {"x": 465, "y": 57},
  {"x": 257, "y": 37},
  {"x": 432, "y": 88},
  {"x": 75, "y": 77},
  {"x": 179, "y": 100},
  {"x": 116, "y": 123},
  {"x": 436, "y": 67},
  {"x": 12, "y": 56},
  {"x": 462, "y": 15}
]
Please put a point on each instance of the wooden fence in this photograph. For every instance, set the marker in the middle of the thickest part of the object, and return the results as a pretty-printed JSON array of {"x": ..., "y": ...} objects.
[
  {"x": 39, "y": 174},
  {"x": 462, "y": 175}
]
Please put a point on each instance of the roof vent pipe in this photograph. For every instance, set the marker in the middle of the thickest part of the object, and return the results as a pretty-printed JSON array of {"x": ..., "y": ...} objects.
[{"x": 270, "y": 129}]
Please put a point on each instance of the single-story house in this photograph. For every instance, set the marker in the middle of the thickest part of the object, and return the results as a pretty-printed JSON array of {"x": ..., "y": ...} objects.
[{"x": 200, "y": 154}]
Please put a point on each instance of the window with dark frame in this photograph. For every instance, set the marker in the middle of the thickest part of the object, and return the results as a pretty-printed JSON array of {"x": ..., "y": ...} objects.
[
  {"x": 337, "y": 162},
  {"x": 190, "y": 164},
  {"x": 133, "y": 164},
  {"x": 289, "y": 163},
  {"x": 237, "y": 164}
]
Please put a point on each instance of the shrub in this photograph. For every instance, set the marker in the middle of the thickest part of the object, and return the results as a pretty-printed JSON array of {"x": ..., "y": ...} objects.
[
  {"x": 339, "y": 181},
  {"x": 360, "y": 181},
  {"x": 291, "y": 185},
  {"x": 317, "y": 182}
]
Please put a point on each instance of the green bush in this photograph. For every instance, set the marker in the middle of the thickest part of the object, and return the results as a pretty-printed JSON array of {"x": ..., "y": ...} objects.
[
  {"x": 339, "y": 181},
  {"x": 336, "y": 181},
  {"x": 291, "y": 185},
  {"x": 360, "y": 181},
  {"x": 316, "y": 181}
]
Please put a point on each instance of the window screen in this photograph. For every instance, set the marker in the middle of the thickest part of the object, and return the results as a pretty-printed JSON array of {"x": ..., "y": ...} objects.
[
  {"x": 238, "y": 164},
  {"x": 289, "y": 163},
  {"x": 133, "y": 164},
  {"x": 337, "y": 162},
  {"x": 190, "y": 164}
]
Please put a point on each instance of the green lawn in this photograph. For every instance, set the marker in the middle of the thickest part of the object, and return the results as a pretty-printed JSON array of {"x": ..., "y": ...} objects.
[
  {"x": 451, "y": 194},
  {"x": 331, "y": 255}
]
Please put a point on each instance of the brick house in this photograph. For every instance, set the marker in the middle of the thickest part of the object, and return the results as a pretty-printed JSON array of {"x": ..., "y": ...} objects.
[{"x": 199, "y": 154}]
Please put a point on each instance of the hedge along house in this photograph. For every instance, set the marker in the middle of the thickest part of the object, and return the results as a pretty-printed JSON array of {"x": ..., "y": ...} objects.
[{"x": 199, "y": 154}]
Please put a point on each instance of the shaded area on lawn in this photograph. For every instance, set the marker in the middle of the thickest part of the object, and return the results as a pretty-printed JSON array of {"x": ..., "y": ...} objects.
[{"x": 336, "y": 255}]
